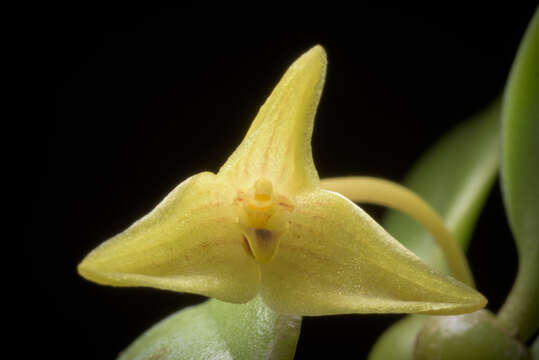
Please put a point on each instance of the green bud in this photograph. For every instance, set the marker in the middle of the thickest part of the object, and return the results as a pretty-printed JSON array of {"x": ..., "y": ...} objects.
[{"x": 467, "y": 337}]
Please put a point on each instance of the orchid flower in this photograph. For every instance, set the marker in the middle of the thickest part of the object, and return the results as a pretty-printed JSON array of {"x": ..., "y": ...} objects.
[{"x": 265, "y": 225}]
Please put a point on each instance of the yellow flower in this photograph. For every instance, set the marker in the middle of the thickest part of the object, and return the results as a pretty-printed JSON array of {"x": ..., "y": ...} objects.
[{"x": 263, "y": 225}]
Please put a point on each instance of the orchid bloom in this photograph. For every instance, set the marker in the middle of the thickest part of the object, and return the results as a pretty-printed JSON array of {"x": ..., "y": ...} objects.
[{"x": 263, "y": 225}]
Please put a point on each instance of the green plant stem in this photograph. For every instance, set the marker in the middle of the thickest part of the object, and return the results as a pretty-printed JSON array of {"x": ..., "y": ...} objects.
[
  {"x": 519, "y": 313},
  {"x": 520, "y": 182}
]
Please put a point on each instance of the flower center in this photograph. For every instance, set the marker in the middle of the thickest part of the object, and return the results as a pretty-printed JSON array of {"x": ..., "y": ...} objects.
[{"x": 263, "y": 219}]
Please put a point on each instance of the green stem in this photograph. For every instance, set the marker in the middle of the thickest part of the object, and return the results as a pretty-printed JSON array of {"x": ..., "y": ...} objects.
[
  {"x": 520, "y": 312},
  {"x": 386, "y": 193},
  {"x": 520, "y": 182}
]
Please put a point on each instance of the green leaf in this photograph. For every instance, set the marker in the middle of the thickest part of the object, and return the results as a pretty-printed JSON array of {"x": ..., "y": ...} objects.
[
  {"x": 455, "y": 177},
  {"x": 520, "y": 181},
  {"x": 219, "y": 330}
]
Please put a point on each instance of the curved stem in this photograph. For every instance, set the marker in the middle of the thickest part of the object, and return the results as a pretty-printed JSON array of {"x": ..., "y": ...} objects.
[
  {"x": 387, "y": 193},
  {"x": 520, "y": 182},
  {"x": 519, "y": 314}
]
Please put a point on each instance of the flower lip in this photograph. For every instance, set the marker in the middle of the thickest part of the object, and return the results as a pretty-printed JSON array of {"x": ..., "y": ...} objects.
[{"x": 263, "y": 220}]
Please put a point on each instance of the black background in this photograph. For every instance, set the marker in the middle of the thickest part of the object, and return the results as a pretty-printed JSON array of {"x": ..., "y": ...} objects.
[{"x": 145, "y": 97}]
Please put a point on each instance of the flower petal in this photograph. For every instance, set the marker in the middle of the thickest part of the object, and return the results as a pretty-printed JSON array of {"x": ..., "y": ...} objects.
[
  {"x": 335, "y": 259},
  {"x": 278, "y": 143},
  {"x": 190, "y": 242}
]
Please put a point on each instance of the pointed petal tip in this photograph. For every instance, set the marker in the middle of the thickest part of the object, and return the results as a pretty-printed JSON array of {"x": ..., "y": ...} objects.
[
  {"x": 473, "y": 303},
  {"x": 314, "y": 56},
  {"x": 480, "y": 302},
  {"x": 89, "y": 271},
  {"x": 81, "y": 269},
  {"x": 319, "y": 50}
]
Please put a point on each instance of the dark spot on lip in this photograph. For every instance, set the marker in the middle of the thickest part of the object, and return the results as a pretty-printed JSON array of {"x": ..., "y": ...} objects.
[
  {"x": 263, "y": 236},
  {"x": 247, "y": 247}
]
